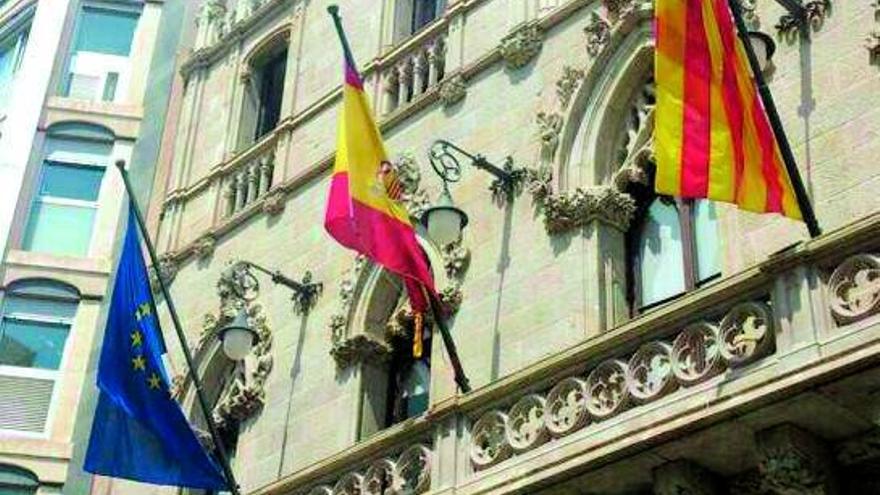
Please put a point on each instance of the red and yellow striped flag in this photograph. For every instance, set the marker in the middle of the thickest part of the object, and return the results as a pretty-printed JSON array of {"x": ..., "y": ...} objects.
[{"x": 712, "y": 135}]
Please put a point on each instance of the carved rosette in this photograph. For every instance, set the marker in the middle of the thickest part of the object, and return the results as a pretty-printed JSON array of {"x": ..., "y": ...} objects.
[
  {"x": 413, "y": 473},
  {"x": 350, "y": 484},
  {"x": 489, "y": 440},
  {"x": 655, "y": 370},
  {"x": 525, "y": 424},
  {"x": 598, "y": 33},
  {"x": 607, "y": 393},
  {"x": 649, "y": 372},
  {"x": 520, "y": 46},
  {"x": 745, "y": 333},
  {"x": 696, "y": 354},
  {"x": 379, "y": 478},
  {"x": 566, "y": 407},
  {"x": 567, "y": 84},
  {"x": 452, "y": 90},
  {"x": 854, "y": 289}
]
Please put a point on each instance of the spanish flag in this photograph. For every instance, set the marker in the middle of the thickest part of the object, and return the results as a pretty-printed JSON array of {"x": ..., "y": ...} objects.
[
  {"x": 713, "y": 138},
  {"x": 363, "y": 209}
]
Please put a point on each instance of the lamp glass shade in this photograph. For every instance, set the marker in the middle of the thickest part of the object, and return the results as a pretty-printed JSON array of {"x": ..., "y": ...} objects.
[
  {"x": 238, "y": 338},
  {"x": 444, "y": 225}
]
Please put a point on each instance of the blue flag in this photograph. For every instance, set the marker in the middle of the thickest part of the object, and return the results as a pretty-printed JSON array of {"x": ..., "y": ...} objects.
[{"x": 139, "y": 431}]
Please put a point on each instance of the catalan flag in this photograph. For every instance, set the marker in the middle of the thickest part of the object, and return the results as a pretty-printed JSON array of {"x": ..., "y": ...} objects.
[
  {"x": 363, "y": 209},
  {"x": 713, "y": 138}
]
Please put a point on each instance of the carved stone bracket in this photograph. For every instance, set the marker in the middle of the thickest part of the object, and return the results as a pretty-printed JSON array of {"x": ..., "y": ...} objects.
[
  {"x": 598, "y": 33},
  {"x": 567, "y": 84},
  {"x": 854, "y": 289},
  {"x": 692, "y": 355},
  {"x": 168, "y": 267},
  {"x": 409, "y": 472},
  {"x": 794, "y": 461},
  {"x": 204, "y": 246},
  {"x": 815, "y": 12},
  {"x": 452, "y": 90},
  {"x": 274, "y": 203},
  {"x": 360, "y": 348},
  {"x": 520, "y": 46},
  {"x": 569, "y": 211},
  {"x": 549, "y": 127}
]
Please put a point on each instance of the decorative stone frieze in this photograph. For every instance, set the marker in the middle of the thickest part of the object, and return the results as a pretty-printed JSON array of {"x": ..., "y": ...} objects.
[
  {"x": 794, "y": 461},
  {"x": 816, "y": 11},
  {"x": 683, "y": 477},
  {"x": 520, "y": 46},
  {"x": 204, "y": 246},
  {"x": 568, "y": 211},
  {"x": 656, "y": 369},
  {"x": 409, "y": 472},
  {"x": 598, "y": 33},
  {"x": 568, "y": 83},
  {"x": 359, "y": 348},
  {"x": 453, "y": 89},
  {"x": 854, "y": 288}
]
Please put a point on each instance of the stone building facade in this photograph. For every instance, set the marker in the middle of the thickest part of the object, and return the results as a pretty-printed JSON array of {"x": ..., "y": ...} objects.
[
  {"x": 74, "y": 97},
  {"x": 617, "y": 342}
]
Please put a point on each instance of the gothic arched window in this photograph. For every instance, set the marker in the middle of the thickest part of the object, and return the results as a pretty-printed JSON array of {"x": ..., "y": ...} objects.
[{"x": 672, "y": 246}]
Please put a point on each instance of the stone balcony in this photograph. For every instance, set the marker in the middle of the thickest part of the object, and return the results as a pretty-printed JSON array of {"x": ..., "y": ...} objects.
[{"x": 756, "y": 361}]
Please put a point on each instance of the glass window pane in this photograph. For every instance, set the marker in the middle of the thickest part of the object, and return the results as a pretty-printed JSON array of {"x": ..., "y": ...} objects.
[
  {"x": 64, "y": 180},
  {"x": 48, "y": 308},
  {"x": 105, "y": 31},
  {"x": 59, "y": 229},
  {"x": 706, "y": 233},
  {"x": 661, "y": 254},
  {"x": 32, "y": 344},
  {"x": 416, "y": 389}
]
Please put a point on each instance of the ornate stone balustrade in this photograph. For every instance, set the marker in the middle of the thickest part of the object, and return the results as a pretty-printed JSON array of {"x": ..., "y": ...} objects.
[
  {"x": 414, "y": 68},
  {"x": 409, "y": 472},
  {"x": 248, "y": 176},
  {"x": 694, "y": 354}
]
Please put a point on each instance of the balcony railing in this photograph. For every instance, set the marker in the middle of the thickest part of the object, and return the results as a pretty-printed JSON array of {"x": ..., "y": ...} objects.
[
  {"x": 248, "y": 176},
  {"x": 413, "y": 69}
]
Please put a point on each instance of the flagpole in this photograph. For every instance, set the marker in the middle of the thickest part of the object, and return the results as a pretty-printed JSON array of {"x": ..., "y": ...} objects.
[
  {"x": 215, "y": 434},
  {"x": 800, "y": 192},
  {"x": 460, "y": 378}
]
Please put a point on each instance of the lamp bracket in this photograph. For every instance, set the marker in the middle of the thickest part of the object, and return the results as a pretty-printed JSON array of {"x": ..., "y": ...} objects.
[
  {"x": 305, "y": 291},
  {"x": 795, "y": 9},
  {"x": 444, "y": 157}
]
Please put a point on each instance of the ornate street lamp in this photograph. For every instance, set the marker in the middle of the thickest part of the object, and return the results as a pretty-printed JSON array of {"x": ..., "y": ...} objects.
[{"x": 444, "y": 220}]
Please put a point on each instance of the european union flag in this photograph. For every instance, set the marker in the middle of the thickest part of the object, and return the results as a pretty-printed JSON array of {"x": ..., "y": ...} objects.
[{"x": 139, "y": 431}]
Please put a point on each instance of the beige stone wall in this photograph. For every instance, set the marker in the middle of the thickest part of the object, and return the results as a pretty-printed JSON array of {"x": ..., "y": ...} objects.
[{"x": 527, "y": 294}]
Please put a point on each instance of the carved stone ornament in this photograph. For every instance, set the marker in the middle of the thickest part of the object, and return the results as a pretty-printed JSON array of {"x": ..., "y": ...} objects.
[
  {"x": 655, "y": 370},
  {"x": 360, "y": 348},
  {"x": 598, "y": 33},
  {"x": 525, "y": 424},
  {"x": 274, "y": 202},
  {"x": 456, "y": 258},
  {"x": 816, "y": 11},
  {"x": 567, "y": 84},
  {"x": 794, "y": 461},
  {"x": 520, "y": 46},
  {"x": 549, "y": 127},
  {"x": 750, "y": 14},
  {"x": 408, "y": 473},
  {"x": 452, "y": 90},
  {"x": 211, "y": 11},
  {"x": 489, "y": 440},
  {"x": 619, "y": 8},
  {"x": 204, "y": 246},
  {"x": 855, "y": 289},
  {"x": 872, "y": 44},
  {"x": 566, "y": 212},
  {"x": 168, "y": 267}
]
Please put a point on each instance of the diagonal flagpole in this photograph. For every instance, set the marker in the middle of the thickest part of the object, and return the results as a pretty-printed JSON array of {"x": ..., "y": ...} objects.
[
  {"x": 800, "y": 192},
  {"x": 436, "y": 308},
  {"x": 200, "y": 394}
]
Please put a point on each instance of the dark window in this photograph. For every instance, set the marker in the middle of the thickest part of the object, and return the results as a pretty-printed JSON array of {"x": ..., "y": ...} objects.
[
  {"x": 409, "y": 381},
  {"x": 672, "y": 247},
  {"x": 271, "y": 80},
  {"x": 424, "y": 12}
]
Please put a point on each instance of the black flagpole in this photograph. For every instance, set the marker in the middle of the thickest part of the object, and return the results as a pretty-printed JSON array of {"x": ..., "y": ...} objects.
[
  {"x": 788, "y": 159},
  {"x": 460, "y": 377},
  {"x": 203, "y": 402}
]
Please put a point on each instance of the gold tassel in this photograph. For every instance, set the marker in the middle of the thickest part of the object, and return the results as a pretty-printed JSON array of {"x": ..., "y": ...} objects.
[{"x": 418, "y": 331}]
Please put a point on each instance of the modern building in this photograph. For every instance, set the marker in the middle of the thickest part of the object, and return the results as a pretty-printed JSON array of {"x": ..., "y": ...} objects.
[
  {"x": 74, "y": 98},
  {"x": 618, "y": 342}
]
